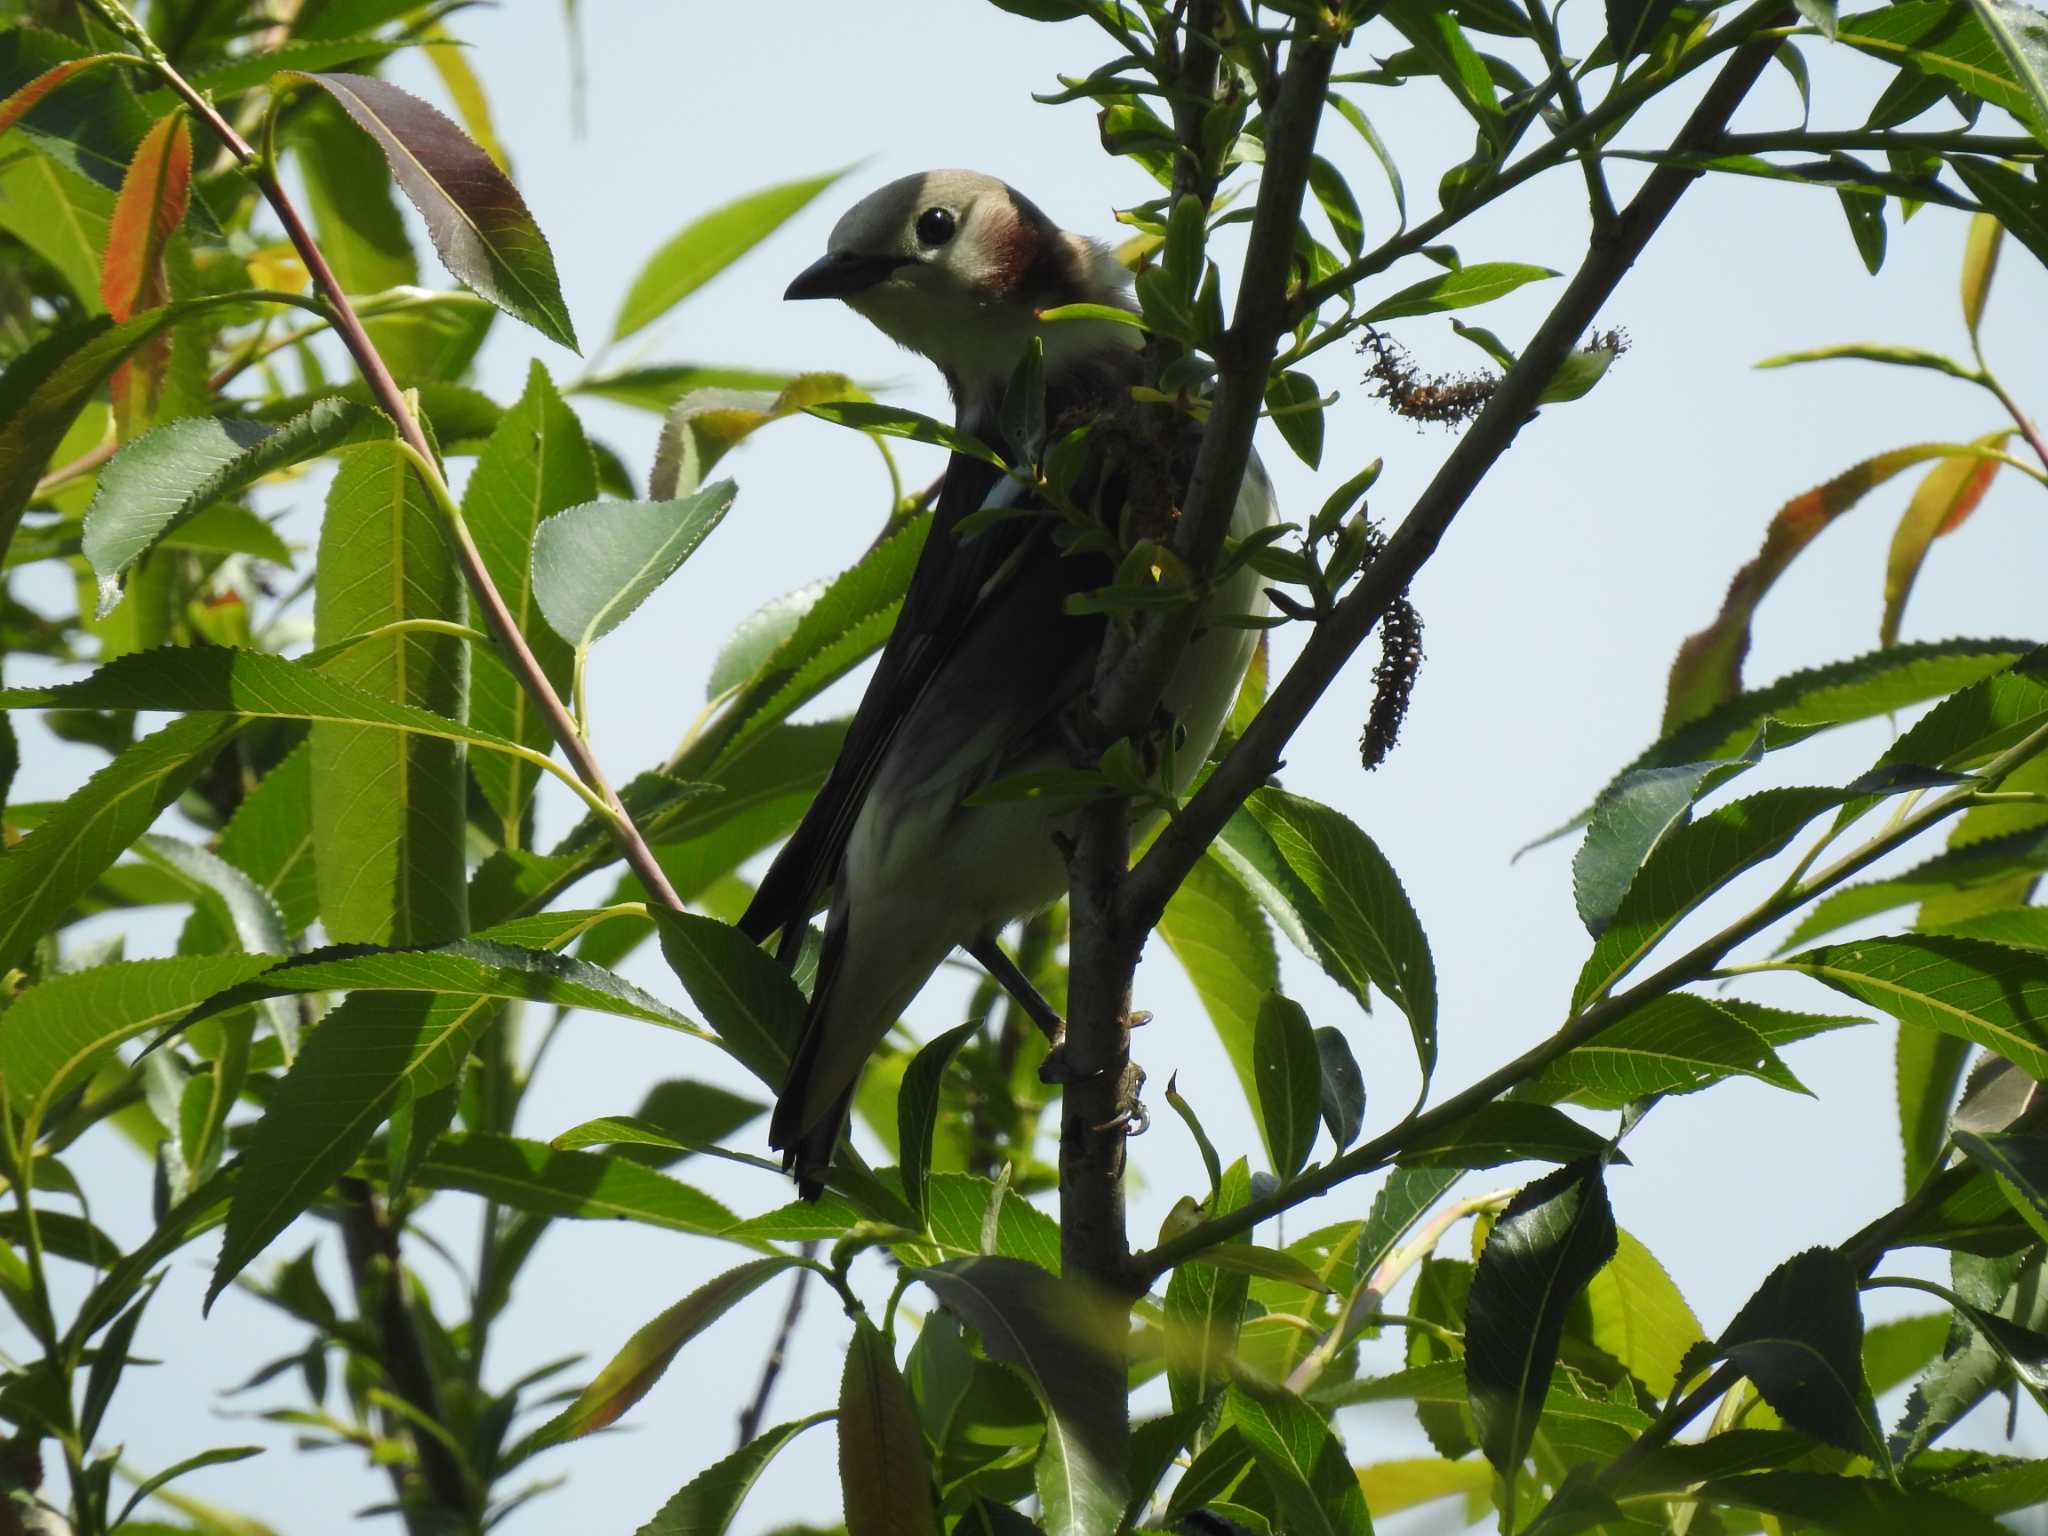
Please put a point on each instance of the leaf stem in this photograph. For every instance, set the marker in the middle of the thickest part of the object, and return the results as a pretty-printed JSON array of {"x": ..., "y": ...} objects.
[
  {"x": 2025, "y": 423},
  {"x": 1599, "y": 199},
  {"x": 1357, "y": 1312},
  {"x": 518, "y": 655}
]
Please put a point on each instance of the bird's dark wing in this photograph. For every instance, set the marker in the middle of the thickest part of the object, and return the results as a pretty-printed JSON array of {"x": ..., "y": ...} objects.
[{"x": 953, "y": 580}]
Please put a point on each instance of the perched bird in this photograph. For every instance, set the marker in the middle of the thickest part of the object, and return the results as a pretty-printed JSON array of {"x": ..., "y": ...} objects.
[{"x": 984, "y": 660}]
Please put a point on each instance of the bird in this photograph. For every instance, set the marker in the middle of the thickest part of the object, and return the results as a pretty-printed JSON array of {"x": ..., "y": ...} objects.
[{"x": 977, "y": 679}]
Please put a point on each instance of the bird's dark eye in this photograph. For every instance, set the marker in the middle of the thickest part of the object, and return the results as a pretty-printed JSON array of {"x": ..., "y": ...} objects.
[{"x": 935, "y": 226}]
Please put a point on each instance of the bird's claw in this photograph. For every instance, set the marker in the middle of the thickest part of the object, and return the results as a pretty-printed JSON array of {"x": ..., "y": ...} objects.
[{"x": 1135, "y": 1121}]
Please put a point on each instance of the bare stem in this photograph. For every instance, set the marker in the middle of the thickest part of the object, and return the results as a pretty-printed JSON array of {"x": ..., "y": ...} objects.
[
  {"x": 778, "y": 1351},
  {"x": 2024, "y": 422},
  {"x": 518, "y": 655}
]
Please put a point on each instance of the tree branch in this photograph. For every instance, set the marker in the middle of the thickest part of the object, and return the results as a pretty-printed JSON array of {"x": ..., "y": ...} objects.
[
  {"x": 371, "y": 1243},
  {"x": 1257, "y": 755},
  {"x": 1696, "y": 964}
]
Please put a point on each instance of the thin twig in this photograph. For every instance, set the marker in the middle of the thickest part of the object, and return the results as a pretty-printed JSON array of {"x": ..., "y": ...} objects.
[
  {"x": 778, "y": 1350},
  {"x": 518, "y": 655}
]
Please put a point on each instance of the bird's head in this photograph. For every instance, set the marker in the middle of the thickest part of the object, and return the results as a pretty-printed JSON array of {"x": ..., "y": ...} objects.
[{"x": 956, "y": 266}]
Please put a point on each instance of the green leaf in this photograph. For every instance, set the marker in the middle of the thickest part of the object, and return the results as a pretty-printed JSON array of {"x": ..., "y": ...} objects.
[
  {"x": 216, "y": 680},
  {"x": 652, "y": 1349},
  {"x": 60, "y": 216},
  {"x": 846, "y": 623},
  {"x": 1288, "y": 1068},
  {"x": 1689, "y": 865},
  {"x": 2020, "y": 1165},
  {"x": 1962, "y": 868},
  {"x": 657, "y": 386},
  {"x": 1631, "y": 24},
  {"x": 591, "y": 1186},
  {"x": 1800, "y": 1340},
  {"x": 1803, "y": 703},
  {"x": 1443, "y": 44},
  {"x": 956, "y": 1212},
  {"x": 1554, "y": 1236},
  {"x": 219, "y": 1456},
  {"x": 374, "y": 1052},
  {"x": 57, "y": 1033},
  {"x": 708, "y": 245},
  {"x": 1582, "y": 368},
  {"x": 894, "y": 421},
  {"x": 2019, "y": 203},
  {"x": 46, "y": 386},
  {"x": 705, "y": 1505},
  {"x": 93, "y": 125},
  {"x": 1353, "y": 114},
  {"x": 465, "y": 969},
  {"x": 475, "y": 216},
  {"x": 1958, "y": 46},
  {"x": 1943, "y": 500},
  {"x": 1343, "y": 1087},
  {"x": 1265, "y": 1264},
  {"x": 389, "y": 807},
  {"x": 1989, "y": 994},
  {"x": 1333, "y": 893},
  {"x": 1056, "y": 1334},
  {"x": 1856, "y": 1506},
  {"x": 1640, "y": 1318},
  {"x": 1980, "y": 265},
  {"x": 1216, "y": 931},
  {"x": 537, "y": 463},
  {"x": 1468, "y": 286},
  {"x": 885, "y": 1477},
  {"x": 169, "y": 475},
  {"x": 1870, "y": 352},
  {"x": 1629, "y": 819},
  {"x": 1296, "y": 407},
  {"x": 701, "y": 428},
  {"x": 1205, "y": 1306},
  {"x": 61, "y": 858},
  {"x": 595, "y": 564},
  {"x": 742, "y": 992},
  {"x": 917, "y": 1108},
  {"x": 1677, "y": 1043},
  {"x": 1505, "y": 1133},
  {"x": 1306, "y": 1470}
]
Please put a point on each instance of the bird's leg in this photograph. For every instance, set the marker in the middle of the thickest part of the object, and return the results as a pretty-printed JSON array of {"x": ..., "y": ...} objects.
[
  {"x": 989, "y": 955},
  {"x": 1133, "y": 1119}
]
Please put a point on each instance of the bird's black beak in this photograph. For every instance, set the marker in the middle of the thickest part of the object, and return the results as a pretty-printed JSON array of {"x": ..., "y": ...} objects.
[{"x": 841, "y": 273}]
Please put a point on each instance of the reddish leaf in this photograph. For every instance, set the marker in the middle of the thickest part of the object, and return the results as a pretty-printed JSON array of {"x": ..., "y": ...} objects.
[
  {"x": 150, "y": 207},
  {"x": 478, "y": 221},
  {"x": 1708, "y": 668},
  {"x": 1943, "y": 501},
  {"x": 23, "y": 101}
]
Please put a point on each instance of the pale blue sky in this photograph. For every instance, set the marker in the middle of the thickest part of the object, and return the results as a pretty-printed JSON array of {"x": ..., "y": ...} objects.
[{"x": 1552, "y": 613}]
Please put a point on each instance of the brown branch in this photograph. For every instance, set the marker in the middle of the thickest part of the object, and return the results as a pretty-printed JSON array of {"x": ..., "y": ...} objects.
[
  {"x": 518, "y": 655},
  {"x": 371, "y": 1243},
  {"x": 778, "y": 1351},
  {"x": 1128, "y": 685},
  {"x": 1257, "y": 754}
]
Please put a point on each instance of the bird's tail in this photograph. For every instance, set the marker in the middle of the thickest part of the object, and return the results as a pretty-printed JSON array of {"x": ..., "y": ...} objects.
[{"x": 807, "y": 1142}]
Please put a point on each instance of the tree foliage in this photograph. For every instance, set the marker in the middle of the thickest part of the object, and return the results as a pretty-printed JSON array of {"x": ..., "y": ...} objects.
[{"x": 349, "y": 828}]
